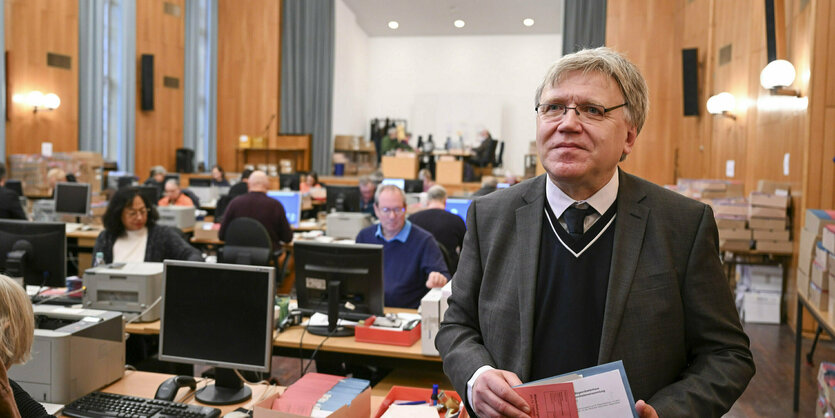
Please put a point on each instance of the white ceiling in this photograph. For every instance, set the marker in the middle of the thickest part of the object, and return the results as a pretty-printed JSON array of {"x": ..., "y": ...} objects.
[{"x": 435, "y": 17}]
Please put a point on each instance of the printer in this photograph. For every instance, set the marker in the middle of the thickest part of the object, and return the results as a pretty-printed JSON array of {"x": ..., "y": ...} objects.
[
  {"x": 75, "y": 351},
  {"x": 432, "y": 308},
  {"x": 346, "y": 224},
  {"x": 127, "y": 287},
  {"x": 177, "y": 216}
]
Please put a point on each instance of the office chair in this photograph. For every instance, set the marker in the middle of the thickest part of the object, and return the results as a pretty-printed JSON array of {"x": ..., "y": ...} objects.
[
  {"x": 192, "y": 196},
  {"x": 248, "y": 242},
  {"x": 451, "y": 263},
  {"x": 498, "y": 160}
]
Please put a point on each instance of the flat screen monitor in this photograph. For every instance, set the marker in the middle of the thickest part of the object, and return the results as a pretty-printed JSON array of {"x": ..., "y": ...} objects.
[
  {"x": 218, "y": 315},
  {"x": 413, "y": 186},
  {"x": 458, "y": 207},
  {"x": 289, "y": 181},
  {"x": 16, "y": 186},
  {"x": 36, "y": 251},
  {"x": 150, "y": 193},
  {"x": 401, "y": 183},
  {"x": 72, "y": 199},
  {"x": 343, "y": 198},
  {"x": 502, "y": 185},
  {"x": 199, "y": 182},
  {"x": 126, "y": 181},
  {"x": 292, "y": 202},
  {"x": 344, "y": 280}
]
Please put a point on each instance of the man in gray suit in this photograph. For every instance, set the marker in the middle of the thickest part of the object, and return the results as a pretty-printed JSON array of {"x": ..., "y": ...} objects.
[{"x": 588, "y": 265}]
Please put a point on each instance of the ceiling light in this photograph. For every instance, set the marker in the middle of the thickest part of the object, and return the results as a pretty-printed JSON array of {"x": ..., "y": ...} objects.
[
  {"x": 393, "y": 24},
  {"x": 459, "y": 23},
  {"x": 527, "y": 22}
]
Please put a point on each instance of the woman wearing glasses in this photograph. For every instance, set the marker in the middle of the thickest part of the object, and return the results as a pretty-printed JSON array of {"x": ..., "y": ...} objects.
[{"x": 131, "y": 233}]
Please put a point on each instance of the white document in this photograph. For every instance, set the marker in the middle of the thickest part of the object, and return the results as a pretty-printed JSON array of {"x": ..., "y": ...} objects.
[
  {"x": 410, "y": 411},
  {"x": 602, "y": 395}
]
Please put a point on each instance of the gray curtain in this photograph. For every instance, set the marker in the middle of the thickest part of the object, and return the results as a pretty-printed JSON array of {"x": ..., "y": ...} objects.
[
  {"x": 307, "y": 43},
  {"x": 584, "y": 25},
  {"x": 91, "y": 80},
  {"x": 200, "y": 93}
]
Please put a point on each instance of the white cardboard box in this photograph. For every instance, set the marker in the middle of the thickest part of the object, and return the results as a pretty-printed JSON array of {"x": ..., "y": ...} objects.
[
  {"x": 430, "y": 321},
  {"x": 819, "y": 298},
  {"x": 828, "y": 238},
  {"x": 822, "y": 257},
  {"x": 802, "y": 283},
  {"x": 761, "y": 307},
  {"x": 818, "y": 277},
  {"x": 764, "y": 278}
]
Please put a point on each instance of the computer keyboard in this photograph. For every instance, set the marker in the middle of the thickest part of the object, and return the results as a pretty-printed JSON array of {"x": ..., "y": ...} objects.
[{"x": 101, "y": 404}]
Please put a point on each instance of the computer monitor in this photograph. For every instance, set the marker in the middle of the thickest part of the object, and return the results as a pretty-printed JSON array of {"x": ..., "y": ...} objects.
[
  {"x": 292, "y": 202},
  {"x": 401, "y": 183},
  {"x": 119, "y": 179},
  {"x": 36, "y": 251},
  {"x": 413, "y": 186},
  {"x": 125, "y": 181},
  {"x": 342, "y": 280},
  {"x": 502, "y": 185},
  {"x": 72, "y": 199},
  {"x": 150, "y": 193},
  {"x": 218, "y": 315},
  {"x": 199, "y": 182},
  {"x": 458, "y": 207},
  {"x": 343, "y": 198},
  {"x": 16, "y": 186},
  {"x": 289, "y": 181}
]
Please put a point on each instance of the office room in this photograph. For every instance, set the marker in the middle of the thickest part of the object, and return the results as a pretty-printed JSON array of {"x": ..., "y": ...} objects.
[{"x": 266, "y": 161}]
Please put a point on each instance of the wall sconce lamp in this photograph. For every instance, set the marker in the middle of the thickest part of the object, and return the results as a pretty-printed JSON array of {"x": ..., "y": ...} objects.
[
  {"x": 36, "y": 99},
  {"x": 777, "y": 76},
  {"x": 722, "y": 104}
]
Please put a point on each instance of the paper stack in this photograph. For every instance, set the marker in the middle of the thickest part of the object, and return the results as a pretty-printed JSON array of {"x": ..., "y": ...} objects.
[{"x": 810, "y": 236}]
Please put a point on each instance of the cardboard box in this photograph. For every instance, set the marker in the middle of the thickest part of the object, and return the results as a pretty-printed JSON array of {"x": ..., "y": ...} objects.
[
  {"x": 769, "y": 200},
  {"x": 818, "y": 297},
  {"x": 764, "y": 278},
  {"x": 360, "y": 407},
  {"x": 774, "y": 247},
  {"x": 370, "y": 334},
  {"x": 731, "y": 222},
  {"x": 805, "y": 251},
  {"x": 726, "y": 234},
  {"x": 405, "y": 393},
  {"x": 761, "y": 307},
  {"x": 772, "y": 234},
  {"x": 769, "y": 213},
  {"x": 828, "y": 238},
  {"x": 734, "y": 245},
  {"x": 449, "y": 172},
  {"x": 343, "y": 142},
  {"x": 206, "y": 231},
  {"x": 764, "y": 223},
  {"x": 816, "y": 219},
  {"x": 258, "y": 142},
  {"x": 802, "y": 283},
  {"x": 822, "y": 257},
  {"x": 733, "y": 209},
  {"x": 400, "y": 166},
  {"x": 819, "y": 277},
  {"x": 430, "y": 313}
]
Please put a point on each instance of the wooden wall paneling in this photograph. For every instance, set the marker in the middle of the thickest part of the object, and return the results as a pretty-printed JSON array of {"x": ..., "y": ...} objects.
[
  {"x": 34, "y": 28},
  {"x": 248, "y": 86},
  {"x": 159, "y": 132},
  {"x": 827, "y": 198}
]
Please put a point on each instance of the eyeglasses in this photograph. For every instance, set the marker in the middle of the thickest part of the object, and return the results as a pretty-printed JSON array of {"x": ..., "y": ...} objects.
[
  {"x": 133, "y": 213},
  {"x": 390, "y": 211},
  {"x": 553, "y": 112}
]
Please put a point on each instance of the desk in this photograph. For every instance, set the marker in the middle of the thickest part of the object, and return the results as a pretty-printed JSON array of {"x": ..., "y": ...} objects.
[
  {"x": 823, "y": 322},
  {"x": 84, "y": 243}
]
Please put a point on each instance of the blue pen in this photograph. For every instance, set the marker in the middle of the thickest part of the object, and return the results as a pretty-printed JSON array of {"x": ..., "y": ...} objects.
[
  {"x": 434, "y": 394},
  {"x": 411, "y": 403}
]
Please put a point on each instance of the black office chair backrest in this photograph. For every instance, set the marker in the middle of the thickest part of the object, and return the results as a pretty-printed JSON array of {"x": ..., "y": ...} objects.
[
  {"x": 192, "y": 196},
  {"x": 247, "y": 242},
  {"x": 498, "y": 161},
  {"x": 451, "y": 263}
]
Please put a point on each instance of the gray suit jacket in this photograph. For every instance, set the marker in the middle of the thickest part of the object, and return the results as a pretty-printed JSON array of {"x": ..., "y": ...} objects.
[{"x": 669, "y": 312}]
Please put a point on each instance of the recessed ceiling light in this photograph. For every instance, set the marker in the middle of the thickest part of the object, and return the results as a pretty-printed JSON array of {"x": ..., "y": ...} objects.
[
  {"x": 527, "y": 22},
  {"x": 459, "y": 23},
  {"x": 393, "y": 24}
]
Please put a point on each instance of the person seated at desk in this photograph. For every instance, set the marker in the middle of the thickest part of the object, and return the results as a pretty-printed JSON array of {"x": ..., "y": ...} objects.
[
  {"x": 390, "y": 143},
  {"x": 9, "y": 200},
  {"x": 412, "y": 261},
  {"x": 17, "y": 332},
  {"x": 131, "y": 232},
  {"x": 55, "y": 176},
  {"x": 174, "y": 196},
  {"x": 219, "y": 177},
  {"x": 157, "y": 178},
  {"x": 447, "y": 228},
  {"x": 257, "y": 205},
  {"x": 488, "y": 185},
  {"x": 425, "y": 176},
  {"x": 367, "y": 189},
  {"x": 310, "y": 185}
]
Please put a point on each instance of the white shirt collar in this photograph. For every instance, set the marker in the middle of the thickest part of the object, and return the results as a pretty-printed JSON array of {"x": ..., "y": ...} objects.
[{"x": 601, "y": 201}]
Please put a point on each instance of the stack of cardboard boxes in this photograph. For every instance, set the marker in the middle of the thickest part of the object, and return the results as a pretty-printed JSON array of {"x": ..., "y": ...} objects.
[
  {"x": 769, "y": 222},
  {"x": 761, "y": 291},
  {"x": 31, "y": 169},
  {"x": 813, "y": 260}
]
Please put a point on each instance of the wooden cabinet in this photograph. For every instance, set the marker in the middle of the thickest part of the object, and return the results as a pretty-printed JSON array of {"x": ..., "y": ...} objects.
[{"x": 294, "y": 147}]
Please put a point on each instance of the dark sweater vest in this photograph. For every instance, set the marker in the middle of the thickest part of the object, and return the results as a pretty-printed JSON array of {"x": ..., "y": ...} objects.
[{"x": 571, "y": 290}]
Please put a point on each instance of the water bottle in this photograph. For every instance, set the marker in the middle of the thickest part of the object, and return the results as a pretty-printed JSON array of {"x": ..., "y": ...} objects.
[{"x": 99, "y": 259}]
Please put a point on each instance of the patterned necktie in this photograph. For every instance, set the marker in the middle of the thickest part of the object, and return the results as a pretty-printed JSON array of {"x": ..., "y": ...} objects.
[{"x": 574, "y": 218}]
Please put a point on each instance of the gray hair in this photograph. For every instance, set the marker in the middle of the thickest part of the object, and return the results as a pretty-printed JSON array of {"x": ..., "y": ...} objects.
[
  {"x": 610, "y": 63},
  {"x": 489, "y": 181},
  {"x": 437, "y": 193},
  {"x": 366, "y": 180},
  {"x": 175, "y": 182},
  {"x": 386, "y": 187},
  {"x": 158, "y": 169}
]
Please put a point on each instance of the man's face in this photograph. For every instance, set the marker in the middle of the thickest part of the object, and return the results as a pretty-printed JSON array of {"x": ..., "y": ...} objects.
[
  {"x": 172, "y": 192},
  {"x": 367, "y": 191},
  {"x": 390, "y": 209},
  {"x": 579, "y": 153}
]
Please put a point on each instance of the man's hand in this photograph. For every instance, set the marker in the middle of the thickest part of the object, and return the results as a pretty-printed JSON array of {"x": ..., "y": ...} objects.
[
  {"x": 493, "y": 396},
  {"x": 436, "y": 280},
  {"x": 644, "y": 410}
]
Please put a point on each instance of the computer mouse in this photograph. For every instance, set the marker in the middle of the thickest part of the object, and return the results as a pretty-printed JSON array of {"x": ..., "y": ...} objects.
[
  {"x": 237, "y": 414},
  {"x": 168, "y": 389}
]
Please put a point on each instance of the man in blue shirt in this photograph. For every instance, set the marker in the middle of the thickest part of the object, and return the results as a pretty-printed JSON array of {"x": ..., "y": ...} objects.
[{"x": 412, "y": 261}]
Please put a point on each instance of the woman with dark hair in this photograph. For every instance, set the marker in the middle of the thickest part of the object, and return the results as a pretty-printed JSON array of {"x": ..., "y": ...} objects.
[
  {"x": 131, "y": 232},
  {"x": 219, "y": 177}
]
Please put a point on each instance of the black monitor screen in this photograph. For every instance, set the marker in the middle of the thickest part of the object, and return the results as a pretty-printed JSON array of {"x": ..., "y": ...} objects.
[
  {"x": 343, "y": 198},
  {"x": 289, "y": 181},
  {"x": 413, "y": 186},
  {"x": 199, "y": 182},
  {"x": 217, "y": 315},
  {"x": 72, "y": 199},
  {"x": 125, "y": 181},
  {"x": 358, "y": 268},
  {"x": 38, "y": 252},
  {"x": 150, "y": 193},
  {"x": 16, "y": 186}
]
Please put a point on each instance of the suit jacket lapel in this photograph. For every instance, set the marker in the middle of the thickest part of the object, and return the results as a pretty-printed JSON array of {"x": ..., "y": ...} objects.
[
  {"x": 630, "y": 227},
  {"x": 529, "y": 218}
]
